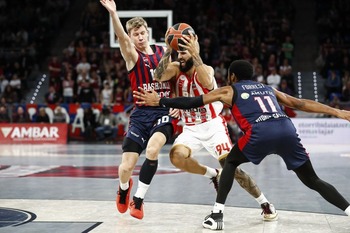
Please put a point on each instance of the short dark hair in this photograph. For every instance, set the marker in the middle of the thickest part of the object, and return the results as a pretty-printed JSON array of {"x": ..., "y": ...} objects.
[{"x": 242, "y": 69}]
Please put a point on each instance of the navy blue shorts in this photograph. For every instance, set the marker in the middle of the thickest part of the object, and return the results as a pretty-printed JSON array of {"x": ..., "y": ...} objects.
[
  {"x": 274, "y": 137},
  {"x": 145, "y": 121}
]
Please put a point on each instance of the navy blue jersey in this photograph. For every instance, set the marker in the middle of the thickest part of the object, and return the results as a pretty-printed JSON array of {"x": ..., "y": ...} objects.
[
  {"x": 144, "y": 120},
  {"x": 141, "y": 75},
  {"x": 267, "y": 129}
]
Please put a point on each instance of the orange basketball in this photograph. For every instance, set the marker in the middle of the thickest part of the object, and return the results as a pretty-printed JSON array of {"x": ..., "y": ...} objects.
[{"x": 176, "y": 32}]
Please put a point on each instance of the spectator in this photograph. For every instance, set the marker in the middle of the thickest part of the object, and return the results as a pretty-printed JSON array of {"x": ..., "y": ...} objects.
[
  {"x": 90, "y": 123},
  {"x": 119, "y": 96},
  {"x": 106, "y": 95},
  {"x": 10, "y": 95},
  {"x": 83, "y": 69},
  {"x": 333, "y": 85},
  {"x": 42, "y": 116},
  {"x": 20, "y": 116},
  {"x": 96, "y": 84},
  {"x": 284, "y": 87},
  {"x": 55, "y": 68},
  {"x": 15, "y": 83},
  {"x": 4, "y": 116},
  {"x": 3, "y": 83},
  {"x": 68, "y": 89},
  {"x": 58, "y": 115},
  {"x": 273, "y": 79},
  {"x": 52, "y": 97},
  {"x": 258, "y": 75},
  {"x": 346, "y": 92},
  {"x": 286, "y": 74},
  {"x": 107, "y": 125},
  {"x": 87, "y": 94},
  {"x": 288, "y": 49}
]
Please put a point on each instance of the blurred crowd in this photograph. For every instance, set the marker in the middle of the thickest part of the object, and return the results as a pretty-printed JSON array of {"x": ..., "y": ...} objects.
[
  {"x": 89, "y": 71},
  {"x": 333, "y": 22}
]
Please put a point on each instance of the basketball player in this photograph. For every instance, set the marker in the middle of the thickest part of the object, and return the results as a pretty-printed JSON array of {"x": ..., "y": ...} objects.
[
  {"x": 267, "y": 129},
  {"x": 149, "y": 127},
  {"x": 204, "y": 126}
]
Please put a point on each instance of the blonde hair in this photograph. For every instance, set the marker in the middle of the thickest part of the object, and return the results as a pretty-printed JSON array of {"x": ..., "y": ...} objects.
[{"x": 135, "y": 22}]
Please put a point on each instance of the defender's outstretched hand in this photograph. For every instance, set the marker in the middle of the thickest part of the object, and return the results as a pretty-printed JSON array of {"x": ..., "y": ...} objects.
[
  {"x": 343, "y": 114},
  {"x": 144, "y": 97},
  {"x": 109, "y": 5}
]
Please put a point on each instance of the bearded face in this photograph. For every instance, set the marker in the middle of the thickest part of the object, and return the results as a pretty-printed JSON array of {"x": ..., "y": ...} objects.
[{"x": 186, "y": 65}]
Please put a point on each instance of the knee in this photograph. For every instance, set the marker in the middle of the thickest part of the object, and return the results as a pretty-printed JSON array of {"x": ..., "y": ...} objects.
[
  {"x": 178, "y": 153},
  {"x": 176, "y": 157},
  {"x": 126, "y": 167},
  {"x": 152, "y": 152}
]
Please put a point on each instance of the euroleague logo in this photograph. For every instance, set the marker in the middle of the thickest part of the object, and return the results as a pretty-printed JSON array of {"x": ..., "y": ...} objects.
[{"x": 245, "y": 95}]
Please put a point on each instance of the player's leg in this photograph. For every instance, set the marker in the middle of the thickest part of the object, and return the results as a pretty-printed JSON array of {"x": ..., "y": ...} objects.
[
  {"x": 181, "y": 157},
  {"x": 214, "y": 221},
  {"x": 181, "y": 154},
  {"x": 149, "y": 168},
  {"x": 130, "y": 156},
  {"x": 249, "y": 184},
  {"x": 308, "y": 176}
]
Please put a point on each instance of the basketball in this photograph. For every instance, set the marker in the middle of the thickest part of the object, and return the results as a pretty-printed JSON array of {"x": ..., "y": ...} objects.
[{"x": 175, "y": 33}]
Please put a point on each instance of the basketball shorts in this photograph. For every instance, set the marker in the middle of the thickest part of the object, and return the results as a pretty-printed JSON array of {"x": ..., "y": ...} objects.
[
  {"x": 144, "y": 122},
  {"x": 212, "y": 136}
]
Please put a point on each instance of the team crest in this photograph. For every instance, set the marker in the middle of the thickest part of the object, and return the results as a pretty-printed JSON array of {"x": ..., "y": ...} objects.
[{"x": 244, "y": 95}]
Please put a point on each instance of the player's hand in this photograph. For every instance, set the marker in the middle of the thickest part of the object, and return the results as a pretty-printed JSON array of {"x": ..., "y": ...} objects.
[
  {"x": 149, "y": 98},
  {"x": 343, "y": 114},
  {"x": 190, "y": 43},
  {"x": 109, "y": 5},
  {"x": 174, "y": 112}
]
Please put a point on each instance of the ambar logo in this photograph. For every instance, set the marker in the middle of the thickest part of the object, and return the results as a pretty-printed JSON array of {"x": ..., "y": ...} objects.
[{"x": 30, "y": 132}]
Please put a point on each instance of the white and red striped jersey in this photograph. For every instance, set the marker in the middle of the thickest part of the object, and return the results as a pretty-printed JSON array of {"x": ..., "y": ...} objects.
[{"x": 189, "y": 87}]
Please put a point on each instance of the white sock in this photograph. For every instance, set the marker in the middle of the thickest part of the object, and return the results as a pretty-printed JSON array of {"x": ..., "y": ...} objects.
[
  {"x": 218, "y": 207},
  {"x": 141, "y": 190},
  {"x": 347, "y": 210},
  {"x": 210, "y": 173},
  {"x": 124, "y": 186},
  {"x": 261, "y": 199}
]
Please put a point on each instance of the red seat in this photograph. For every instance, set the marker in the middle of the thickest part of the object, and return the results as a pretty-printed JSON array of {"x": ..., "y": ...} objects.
[{"x": 73, "y": 108}]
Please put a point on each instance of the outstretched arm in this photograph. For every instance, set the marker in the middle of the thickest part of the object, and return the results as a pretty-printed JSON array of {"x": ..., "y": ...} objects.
[
  {"x": 126, "y": 46},
  {"x": 310, "y": 106},
  {"x": 223, "y": 94}
]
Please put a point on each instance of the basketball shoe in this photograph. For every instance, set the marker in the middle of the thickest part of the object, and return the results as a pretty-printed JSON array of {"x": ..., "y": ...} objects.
[
  {"x": 214, "y": 221},
  {"x": 136, "y": 207},
  {"x": 123, "y": 197},
  {"x": 215, "y": 180},
  {"x": 269, "y": 212}
]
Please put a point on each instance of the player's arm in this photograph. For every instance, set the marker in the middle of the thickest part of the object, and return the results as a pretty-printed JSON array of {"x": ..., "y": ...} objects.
[
  {"x": 223, "y": 94},
  {"x": 166, "y": 69},
  {"x": 126, "y": 46},
  {"x": 310, "y": 105},
  {"x": 205, "y": 73}
]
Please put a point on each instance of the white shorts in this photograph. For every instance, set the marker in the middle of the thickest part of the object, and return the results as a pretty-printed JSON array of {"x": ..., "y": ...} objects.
[{"x": 212, "y": 135}]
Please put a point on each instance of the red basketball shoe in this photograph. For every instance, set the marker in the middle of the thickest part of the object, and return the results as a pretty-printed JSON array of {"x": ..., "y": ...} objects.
[
  {"x": 123, "y": 197},
  {"x": 136, "y": 208}
]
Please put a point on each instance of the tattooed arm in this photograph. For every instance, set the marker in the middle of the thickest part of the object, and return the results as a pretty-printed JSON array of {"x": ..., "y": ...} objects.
[{"x": 166, "y": 69}]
